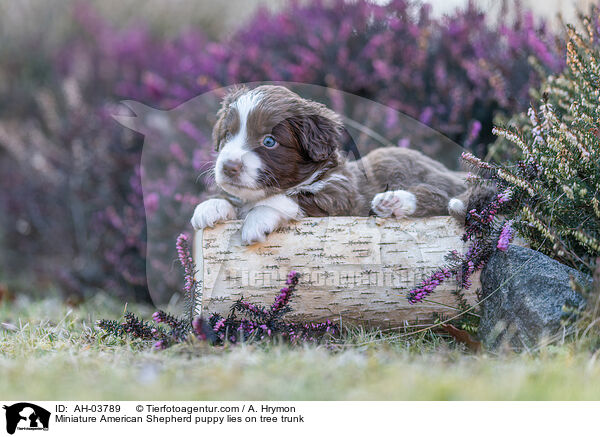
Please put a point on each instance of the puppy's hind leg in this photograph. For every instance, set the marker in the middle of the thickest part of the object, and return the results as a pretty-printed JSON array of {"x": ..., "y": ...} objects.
[
  {"x": 421, "y": 200},
  {"x": 431, "y": 200},
  {"x": 398, "y": 203}
]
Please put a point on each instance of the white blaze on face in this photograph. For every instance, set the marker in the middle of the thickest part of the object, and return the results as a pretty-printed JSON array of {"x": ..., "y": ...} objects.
[{"x": 237, "y": 149}]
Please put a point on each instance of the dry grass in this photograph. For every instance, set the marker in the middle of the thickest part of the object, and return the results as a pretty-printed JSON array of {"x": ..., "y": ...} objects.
[{"x": 56, "y": 353}]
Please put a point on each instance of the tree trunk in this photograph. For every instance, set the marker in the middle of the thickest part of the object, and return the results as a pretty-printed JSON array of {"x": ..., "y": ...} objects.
[{"x": 357, "y": 269}]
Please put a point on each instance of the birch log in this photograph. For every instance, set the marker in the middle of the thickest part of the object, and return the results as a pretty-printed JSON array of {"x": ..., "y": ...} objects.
[{"x": 357, "y": 269}]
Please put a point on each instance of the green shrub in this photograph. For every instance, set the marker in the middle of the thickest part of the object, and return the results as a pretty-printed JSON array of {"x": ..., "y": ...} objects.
[{"x": 555, "y": 183}]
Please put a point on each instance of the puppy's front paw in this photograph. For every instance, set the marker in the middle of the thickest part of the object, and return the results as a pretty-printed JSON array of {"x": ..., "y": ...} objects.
[
  {"x": 259, "y": 223},
  {"x": 398, "y": 203},
  {"x": 212, "y": 211}
]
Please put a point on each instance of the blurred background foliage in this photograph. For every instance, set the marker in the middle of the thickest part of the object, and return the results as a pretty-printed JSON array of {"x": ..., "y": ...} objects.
[{"x": 72, "y": 210}]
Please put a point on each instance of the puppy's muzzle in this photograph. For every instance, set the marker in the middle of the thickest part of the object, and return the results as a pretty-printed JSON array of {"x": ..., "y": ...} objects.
[{"x": 232, "y": 168}]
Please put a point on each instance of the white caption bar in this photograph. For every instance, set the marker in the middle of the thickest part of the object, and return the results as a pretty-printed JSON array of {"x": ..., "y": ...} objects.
[{"x": 156, "y": 418}]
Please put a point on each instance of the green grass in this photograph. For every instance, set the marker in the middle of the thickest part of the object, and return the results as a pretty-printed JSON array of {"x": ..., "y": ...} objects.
[{"x": 57, "y": 353}]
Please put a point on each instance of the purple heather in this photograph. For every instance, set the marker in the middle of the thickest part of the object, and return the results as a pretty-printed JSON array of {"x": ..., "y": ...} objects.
[
  {"x": 506, "y": 236},
  {"x": 428, "y": 285},
  {"x": 454, "y": 73},
  {"x": 160, "y": 345}
]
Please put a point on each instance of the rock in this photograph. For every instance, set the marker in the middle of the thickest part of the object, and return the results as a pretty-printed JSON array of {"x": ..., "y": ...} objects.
[{"x": 532, "y": 292}]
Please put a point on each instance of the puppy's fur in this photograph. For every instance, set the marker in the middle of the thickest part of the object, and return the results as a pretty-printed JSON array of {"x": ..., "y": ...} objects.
[{"x": 304, "y": 174}]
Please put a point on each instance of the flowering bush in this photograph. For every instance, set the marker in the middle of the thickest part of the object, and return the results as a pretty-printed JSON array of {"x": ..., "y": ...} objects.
[
  {"x": 550, "y": 195},
  {"x": 453, "y": 74},
  {"x": 80, "y": 205},
  {"x": 556, "y": 183}
]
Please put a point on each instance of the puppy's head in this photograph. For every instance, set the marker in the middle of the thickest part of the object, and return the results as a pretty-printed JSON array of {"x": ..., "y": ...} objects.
[{"x": 270, "y": 139}]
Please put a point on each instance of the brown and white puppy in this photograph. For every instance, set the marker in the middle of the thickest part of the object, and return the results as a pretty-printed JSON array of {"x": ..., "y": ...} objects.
[{"x": 279, "y": 160}]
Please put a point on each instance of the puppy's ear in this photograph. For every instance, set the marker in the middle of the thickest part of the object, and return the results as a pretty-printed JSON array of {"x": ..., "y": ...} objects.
[
  {"x": 319, "y": 135},
  {"x": 218, "y": 132},
  {"x": 219, "y": 129}
]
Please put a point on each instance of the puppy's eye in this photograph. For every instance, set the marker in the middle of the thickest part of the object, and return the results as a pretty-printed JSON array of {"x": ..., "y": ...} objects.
[
  {"x": 227, "y": 136},
  {"x": 269, "y": 141}
]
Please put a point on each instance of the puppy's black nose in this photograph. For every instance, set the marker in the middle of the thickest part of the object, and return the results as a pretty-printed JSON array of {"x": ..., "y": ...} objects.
[{"x": 232, "y": 167}]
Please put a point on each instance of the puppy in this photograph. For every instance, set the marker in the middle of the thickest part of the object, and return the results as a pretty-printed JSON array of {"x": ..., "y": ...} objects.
[{"x": 279, "y": 160}]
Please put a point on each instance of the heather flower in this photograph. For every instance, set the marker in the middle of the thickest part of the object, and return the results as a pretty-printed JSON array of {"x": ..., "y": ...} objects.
[
  {"x": 506, "y": 236},
  {"x": 478, "y": 223},
  {"x": 131, "y": 326},
  {"x": 285, "y": 293},
  {"x": 151, "y": 202},
  {"x": 473, "y": 160},
  {"x": 191, "y": 287},
  {"x": 203, "y": 330},
  {"x": 428, "y": 285},
  {"x": 167, "y": 319},
  {"x": 160, "y": 345},
  {"x": 505, "y": 196},
  {"x": 197, "y": 325},
  {"x": 473, "y": 133},
  {"x": 186, "y": 261},
  {"x": 219, "y": 325},
  {"x": 292, "y": 278},
  {"x": 252, "y": 310}
]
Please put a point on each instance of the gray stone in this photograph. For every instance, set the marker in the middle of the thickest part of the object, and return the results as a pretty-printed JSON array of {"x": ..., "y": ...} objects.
[{"x": 524, "y": 296}]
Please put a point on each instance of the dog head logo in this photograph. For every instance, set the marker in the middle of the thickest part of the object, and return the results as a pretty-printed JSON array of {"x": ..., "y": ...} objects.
[{"x": 26, "y": 416}]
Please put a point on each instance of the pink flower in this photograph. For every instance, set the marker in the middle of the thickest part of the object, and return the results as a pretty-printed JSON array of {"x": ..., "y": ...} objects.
[
  {"x": 506, "y": 236},
  {"x": 428, "y": 285},
  {"x": 505, "y": 196},
  {"x": 160, "y": 345}
]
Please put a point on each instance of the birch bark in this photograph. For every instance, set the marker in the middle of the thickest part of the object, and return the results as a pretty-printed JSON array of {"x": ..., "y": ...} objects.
[{"x": 354, "y": 268}]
